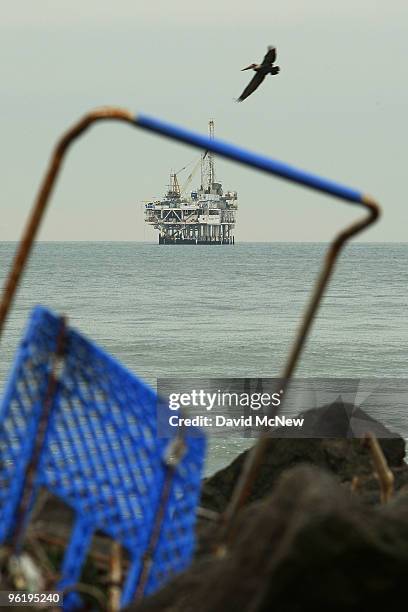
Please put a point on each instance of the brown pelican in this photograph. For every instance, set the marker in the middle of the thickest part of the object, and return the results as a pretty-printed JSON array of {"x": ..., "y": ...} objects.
[{"x": 261, "y": 70}]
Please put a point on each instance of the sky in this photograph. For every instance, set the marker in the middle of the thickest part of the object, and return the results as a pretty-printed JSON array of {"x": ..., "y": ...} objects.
[{"x": 338, "y": 108}]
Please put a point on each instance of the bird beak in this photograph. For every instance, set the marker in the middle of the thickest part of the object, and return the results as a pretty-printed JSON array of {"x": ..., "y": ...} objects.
[{"x": 247, "y": 68}]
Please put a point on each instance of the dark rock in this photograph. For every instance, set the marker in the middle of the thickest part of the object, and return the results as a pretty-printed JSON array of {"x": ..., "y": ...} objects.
[
  {"x": 311, "y": 545},
  {"x": 344, "y": 456}
]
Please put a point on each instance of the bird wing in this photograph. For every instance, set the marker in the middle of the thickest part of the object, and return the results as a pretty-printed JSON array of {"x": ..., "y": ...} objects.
[
  {"x": 270, "y": 56},
  {"x": 252, "y": 85}
]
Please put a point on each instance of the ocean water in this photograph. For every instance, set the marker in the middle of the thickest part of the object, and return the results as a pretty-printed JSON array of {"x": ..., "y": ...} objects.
[{"x": 221, "y": 311}]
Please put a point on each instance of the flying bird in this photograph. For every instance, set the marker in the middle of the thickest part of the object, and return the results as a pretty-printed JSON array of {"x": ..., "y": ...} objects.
[{"x": 261, "y": 70}]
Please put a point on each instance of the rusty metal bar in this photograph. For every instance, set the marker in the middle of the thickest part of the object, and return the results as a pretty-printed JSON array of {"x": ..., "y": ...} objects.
[
  {"x": 172, "y": 459},
  {"x": 29, "y": 482},
  {"x": 102, "y": 561}
]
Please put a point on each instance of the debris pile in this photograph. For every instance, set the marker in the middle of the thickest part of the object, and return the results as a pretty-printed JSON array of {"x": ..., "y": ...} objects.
[{"x": 310, "y": 545}]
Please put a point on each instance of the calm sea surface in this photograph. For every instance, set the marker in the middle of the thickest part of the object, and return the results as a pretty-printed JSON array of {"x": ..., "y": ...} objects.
[{"x": 221, "y": 311}]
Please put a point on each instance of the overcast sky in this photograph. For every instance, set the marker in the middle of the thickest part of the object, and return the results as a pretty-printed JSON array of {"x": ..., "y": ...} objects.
[{"x": 338, "y": 108}]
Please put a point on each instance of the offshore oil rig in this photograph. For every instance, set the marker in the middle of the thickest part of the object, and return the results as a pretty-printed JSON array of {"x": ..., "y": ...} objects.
[{"x": 205, "y": 216}]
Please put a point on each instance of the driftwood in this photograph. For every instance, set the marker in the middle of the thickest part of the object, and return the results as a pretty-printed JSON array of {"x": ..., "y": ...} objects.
[{"x": 384, "y": 474}]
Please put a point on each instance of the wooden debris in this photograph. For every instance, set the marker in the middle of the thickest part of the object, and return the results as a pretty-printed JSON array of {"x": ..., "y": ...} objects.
[
  {"x": 115, "y": 577},
  {"x": 385, "y": 475}
]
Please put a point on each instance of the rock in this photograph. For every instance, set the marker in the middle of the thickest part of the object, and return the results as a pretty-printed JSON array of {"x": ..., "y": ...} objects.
[
  {"x": 344, "y": 456},
  {"x": 311, "y": 545}
]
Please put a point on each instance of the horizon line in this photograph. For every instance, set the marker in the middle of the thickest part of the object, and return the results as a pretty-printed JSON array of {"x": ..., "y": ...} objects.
[{"x": 87, "y": 241}]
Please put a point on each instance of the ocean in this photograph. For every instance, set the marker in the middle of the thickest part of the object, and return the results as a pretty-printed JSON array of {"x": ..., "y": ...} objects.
[{"x": 221, "y": 311}]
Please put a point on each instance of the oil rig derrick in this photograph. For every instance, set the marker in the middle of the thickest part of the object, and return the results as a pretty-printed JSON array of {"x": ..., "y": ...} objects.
[{"x": 205, "y": 216}]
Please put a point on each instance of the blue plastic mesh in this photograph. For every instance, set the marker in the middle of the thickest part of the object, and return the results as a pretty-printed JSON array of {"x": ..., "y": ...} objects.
[{"x": 101, "y": 454}]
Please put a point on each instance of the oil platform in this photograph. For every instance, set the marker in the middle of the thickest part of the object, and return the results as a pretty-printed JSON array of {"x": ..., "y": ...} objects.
[{"x": 205, "y": 216}]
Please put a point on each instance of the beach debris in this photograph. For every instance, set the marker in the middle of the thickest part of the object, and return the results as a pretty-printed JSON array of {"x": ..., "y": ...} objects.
[
  {"x": 207, "y": 515},
  {"x": 115, "y": 577},
  {"x": 355, "y": 484},
  {"x": 25, "y": 573},
  {"x": 89, "y": 435},
  {"x": 384, "y": 474},
  {"x": 307, "y": 532},
  {"x": 261, "y": 71}
]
